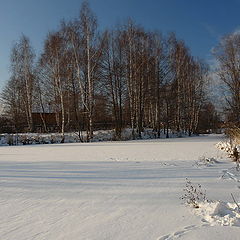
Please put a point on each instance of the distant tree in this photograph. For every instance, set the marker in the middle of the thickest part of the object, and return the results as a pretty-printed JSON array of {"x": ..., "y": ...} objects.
[
  {"x": 53, "y": 63},
  {"x": 189, "y": 78},
  {"x": 228, "y": 55},
  {"x": 12, "y": 104},
  {"x": 209, "y": 119},
  {"x": 114, "y": 77},
  {"x": 18, "y": 93},
  {"x": 92, "y": 51}
]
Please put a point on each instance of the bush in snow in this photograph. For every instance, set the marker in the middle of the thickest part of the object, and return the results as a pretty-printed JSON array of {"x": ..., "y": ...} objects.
[
  {"x": 233, "y": 133},
  {"x": 193, "y": 194},
  {"x": 25, "y": 139},
  {"x": 38, "y": 139},
  {"x": 235, "y": 156},
  {"x": 232, "y": 149},
  {"x": 53, "y": 139},
  {"x": 10, "y": 140},
  {"x": 206, "y": 161},
  {"x": 224, "y": 146}
]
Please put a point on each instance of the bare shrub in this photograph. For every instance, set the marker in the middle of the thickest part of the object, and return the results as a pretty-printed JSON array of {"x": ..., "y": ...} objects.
[
  {"x": 233, "y": 133},
  {"x": 193, "y": 194},
  {"x": 206, "y": 161},
  {"x": 10, "y": 140},
  {"x": 234, "y": 137}
]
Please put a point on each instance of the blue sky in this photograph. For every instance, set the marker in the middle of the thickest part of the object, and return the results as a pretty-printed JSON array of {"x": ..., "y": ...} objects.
[{"x": 200, "y": 23}]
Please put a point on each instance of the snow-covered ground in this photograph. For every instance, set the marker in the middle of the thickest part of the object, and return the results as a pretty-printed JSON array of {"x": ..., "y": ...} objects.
[{"x": 116, "y": 191}]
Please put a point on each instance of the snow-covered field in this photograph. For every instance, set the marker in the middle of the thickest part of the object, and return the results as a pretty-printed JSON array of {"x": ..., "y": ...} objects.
[{"x": 117, "y": 191}]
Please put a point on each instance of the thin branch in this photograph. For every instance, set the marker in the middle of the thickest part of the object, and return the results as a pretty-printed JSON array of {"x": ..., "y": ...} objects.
[{"x": 235, "y": 202}]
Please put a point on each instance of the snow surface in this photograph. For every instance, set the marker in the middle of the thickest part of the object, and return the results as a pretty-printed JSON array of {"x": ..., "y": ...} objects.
[{"x": 116, "y": 190}]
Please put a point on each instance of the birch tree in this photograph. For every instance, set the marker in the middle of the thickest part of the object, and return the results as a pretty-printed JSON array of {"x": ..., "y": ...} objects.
[
  {"x": 91, "y": 53},
  {"x": 53, "y": 63},
  {"x": 19, "y": 90}
]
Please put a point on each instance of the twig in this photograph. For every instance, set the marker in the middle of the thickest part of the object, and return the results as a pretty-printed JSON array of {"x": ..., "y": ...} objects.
[{"x": 235, "y": 202}]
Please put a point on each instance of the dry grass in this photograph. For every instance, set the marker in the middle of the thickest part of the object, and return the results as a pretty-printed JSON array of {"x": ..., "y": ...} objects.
[{"x": 234, "y": 135}]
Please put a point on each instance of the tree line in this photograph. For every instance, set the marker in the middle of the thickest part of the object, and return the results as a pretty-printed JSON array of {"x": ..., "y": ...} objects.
[{"x": 122, "y": 77}]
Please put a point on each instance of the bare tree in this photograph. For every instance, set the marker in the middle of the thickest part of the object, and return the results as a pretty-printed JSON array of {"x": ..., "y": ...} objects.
[
  {"x": 114, "y": 73},
  {"x": 228, "y": 56},
  {"x": 19, "y": 90},
  {"x": 91, "y": 53},
  {"x": 54, "y": 64}
]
